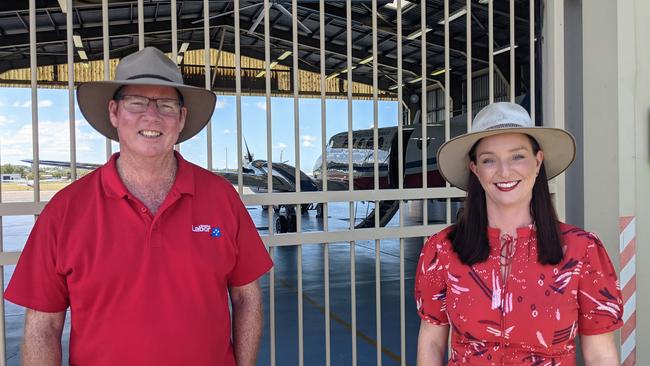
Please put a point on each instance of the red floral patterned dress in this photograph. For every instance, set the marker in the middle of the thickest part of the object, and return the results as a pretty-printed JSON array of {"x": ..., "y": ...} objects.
[{"x": 533, "y": 315}]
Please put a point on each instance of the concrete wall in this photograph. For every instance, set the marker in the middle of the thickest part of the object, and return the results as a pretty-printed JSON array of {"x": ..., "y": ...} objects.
[
  {"x": 615, "y": 64},
  {"x": 573, "y": 109},
  {"x": 640, "y": 66}
]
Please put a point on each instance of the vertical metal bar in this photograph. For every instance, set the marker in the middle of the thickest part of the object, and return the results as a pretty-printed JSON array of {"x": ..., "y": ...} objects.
[
  {"x": 378, "y": 297},
  {"x": 400, "y": 183},
  {"x": 400, "y": 108},
  {"x": 375, "y": 134},
  {"x": 140, "y": 24},
  {"x": 269, "y": 177},
  {"x": 296, "y": 92},
  {"x": 447, "y": 100},
  {"x": 296, "y": 119},
  {"x": 375, "y": 103},
  {"x": 468, "y": 83},
  {"x": 240, "y": 178},
  {"x": 323, "y": 107},
  {"x": 423, "y": 107},
  {"x": 272, "y": 306},
  {"x": 267, "y": 94},
  {"x": 491, "y": 50},
  {"x": 33, "y": 68},
  {"x": 174, "y": 20},
  {"x": 353, "y": 291},
  {"x": 301, "y": 356},
  {"x": 512, "y": 51},
  {"x": 3, "y": 344},
  {"x": 107, "y": 64},
  {"x": 353, "y": 285},
  {"x": 323, "y": 103},
  {"x": 207, "y": 53},
  {"x": 174, "y": 24},
  {"x": 71, "y": 120},
  {"x": 531, "y": 42},
  {"x": 348, "y": 30}
]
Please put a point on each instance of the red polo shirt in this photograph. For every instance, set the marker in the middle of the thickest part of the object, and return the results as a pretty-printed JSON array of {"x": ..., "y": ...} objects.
[{"x": 143, "y": 289}]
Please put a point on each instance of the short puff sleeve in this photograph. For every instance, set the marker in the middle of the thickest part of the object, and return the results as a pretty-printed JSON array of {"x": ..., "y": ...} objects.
[
  {"x": 430, "y": 283},
  {"x": 599, "y": 295}
]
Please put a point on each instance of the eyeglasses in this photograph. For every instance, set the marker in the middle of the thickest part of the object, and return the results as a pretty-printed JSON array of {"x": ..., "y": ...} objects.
[{"x": 139, "y": 104}]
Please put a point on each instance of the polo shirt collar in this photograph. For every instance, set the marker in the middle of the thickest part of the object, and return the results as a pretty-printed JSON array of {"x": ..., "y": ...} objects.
[{"x": 115, "y": 188}]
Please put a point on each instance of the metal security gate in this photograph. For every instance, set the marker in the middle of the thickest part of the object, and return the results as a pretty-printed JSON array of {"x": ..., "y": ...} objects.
[{"x": 445, "y": 57}]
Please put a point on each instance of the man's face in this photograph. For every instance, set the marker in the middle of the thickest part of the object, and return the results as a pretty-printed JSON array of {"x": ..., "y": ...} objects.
[{"x": 151, "y": 132}]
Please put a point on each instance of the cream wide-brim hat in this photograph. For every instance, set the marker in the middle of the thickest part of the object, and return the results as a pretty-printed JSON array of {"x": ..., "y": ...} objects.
[
  {"x": 558, "y": 145},
  {"x": 148, "y": 66}
]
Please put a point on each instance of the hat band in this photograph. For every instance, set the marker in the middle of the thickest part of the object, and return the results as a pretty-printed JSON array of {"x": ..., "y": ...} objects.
[
  {"x": 142, "y": 76},
  {"x": 505, "y": 125}
]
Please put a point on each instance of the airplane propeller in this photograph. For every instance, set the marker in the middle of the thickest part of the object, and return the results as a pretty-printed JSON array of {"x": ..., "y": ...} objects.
[{"x": 249, "y": 156}]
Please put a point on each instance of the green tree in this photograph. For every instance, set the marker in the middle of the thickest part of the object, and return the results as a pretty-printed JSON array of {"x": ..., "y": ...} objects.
[{"x": 7, "y": 168}]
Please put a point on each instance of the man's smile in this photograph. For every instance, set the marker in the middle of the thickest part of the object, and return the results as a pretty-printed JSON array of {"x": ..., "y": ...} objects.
[{"x": 149, "y": 133}]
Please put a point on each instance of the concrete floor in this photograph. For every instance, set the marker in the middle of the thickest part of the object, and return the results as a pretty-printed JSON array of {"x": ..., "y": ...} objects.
[{"x": 16, "y": 230}]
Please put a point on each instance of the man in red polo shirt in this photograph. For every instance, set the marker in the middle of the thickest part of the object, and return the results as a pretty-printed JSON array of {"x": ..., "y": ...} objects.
[{"x": 147, "y": 249}]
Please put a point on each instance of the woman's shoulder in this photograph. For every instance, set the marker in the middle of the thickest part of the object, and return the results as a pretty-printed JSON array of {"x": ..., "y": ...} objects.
[
  {"x": 576, "y": 239},
  {"x": 441, "y": 240}
]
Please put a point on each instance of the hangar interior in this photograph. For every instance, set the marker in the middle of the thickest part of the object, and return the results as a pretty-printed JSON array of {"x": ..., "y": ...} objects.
[{"x": 341, "y": 289}]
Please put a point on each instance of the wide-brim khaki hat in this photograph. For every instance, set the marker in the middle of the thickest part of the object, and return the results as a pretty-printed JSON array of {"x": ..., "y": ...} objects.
[
  {"x": 558, "y": 145},
  {"x": 148, "y": 66}
]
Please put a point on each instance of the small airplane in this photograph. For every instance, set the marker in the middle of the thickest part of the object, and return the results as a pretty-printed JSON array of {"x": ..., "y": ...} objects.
[
  {"x": 255, "y": 172},
  {"x": 336, "y": 157}
]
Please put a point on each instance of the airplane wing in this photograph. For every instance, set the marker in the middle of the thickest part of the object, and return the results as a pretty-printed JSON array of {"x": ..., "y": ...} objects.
[
  {"x": 332, "y": 185},
  {"x": 64, "y": 164},
  {"x": 257, "y": 181}
]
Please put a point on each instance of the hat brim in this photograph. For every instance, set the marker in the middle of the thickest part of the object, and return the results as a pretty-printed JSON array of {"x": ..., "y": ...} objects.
[
  {"x": 93, "y": 98},
  {"x": 558, "y": 145}
]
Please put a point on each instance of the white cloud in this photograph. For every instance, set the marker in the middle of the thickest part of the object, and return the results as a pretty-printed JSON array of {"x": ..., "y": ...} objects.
[
  {"x": 280, "y": 145},
  {"x": 54, "y": 141},
  {"x": 226, "y": 131},
  {"x": 261, "y": 105},
  {"x": 221, "y": 104},
  {"x": 307, "y": 140},
  {"x": 3, "y": 120},
  {"x": 45, "y": 103}
]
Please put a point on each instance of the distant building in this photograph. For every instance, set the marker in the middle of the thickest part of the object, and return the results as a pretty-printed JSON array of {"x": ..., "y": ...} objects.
[{"x": 10, "y": 177}]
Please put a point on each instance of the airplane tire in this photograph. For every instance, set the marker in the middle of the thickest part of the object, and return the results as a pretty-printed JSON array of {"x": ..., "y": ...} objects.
[
  {"x": 292, "y": 224},
  {"x": 319, "y": 210},
  {"x": 281, "y": 224}
]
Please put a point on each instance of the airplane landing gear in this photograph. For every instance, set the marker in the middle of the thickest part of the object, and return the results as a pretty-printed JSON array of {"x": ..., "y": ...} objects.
[
  {"x": 286, "y": 222},
  {"x": 281, "y": 224}
]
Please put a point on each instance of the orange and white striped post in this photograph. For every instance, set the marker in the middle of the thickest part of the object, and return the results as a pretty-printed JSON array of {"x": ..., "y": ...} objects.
[{"x": 627, "y": 241}]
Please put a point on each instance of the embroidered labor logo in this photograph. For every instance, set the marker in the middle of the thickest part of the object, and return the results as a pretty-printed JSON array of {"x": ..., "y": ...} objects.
[{"x": 216, "y": 232}]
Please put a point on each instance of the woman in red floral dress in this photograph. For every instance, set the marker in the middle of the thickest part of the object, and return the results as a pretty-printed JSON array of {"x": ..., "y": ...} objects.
[{"x": 514, "y": 285}]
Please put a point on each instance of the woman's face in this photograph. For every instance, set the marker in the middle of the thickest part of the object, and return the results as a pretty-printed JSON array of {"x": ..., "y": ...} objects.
[{"x": 507, "y": 168}]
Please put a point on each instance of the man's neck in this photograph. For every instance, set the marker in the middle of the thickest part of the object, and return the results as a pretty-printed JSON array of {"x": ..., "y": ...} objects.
[
  {"x": 145, "y": 170},
  {"x": 150, "y": 180}
]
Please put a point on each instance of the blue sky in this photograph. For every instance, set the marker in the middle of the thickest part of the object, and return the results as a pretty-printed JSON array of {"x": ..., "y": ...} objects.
[{"x": 53, "y": 116}]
